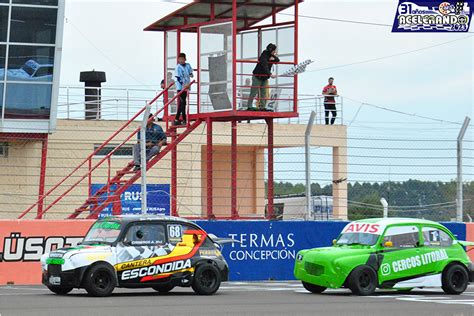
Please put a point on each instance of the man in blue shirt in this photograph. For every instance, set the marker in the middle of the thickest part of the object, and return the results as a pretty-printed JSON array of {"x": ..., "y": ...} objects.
[
  {"x": 183, "y": 74},
  {"x": 155, "y": 138}
]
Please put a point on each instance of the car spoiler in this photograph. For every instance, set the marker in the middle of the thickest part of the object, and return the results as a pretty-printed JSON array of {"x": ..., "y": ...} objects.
[
  {"x": 466, "y": 243},
  {"x": 222, "y": 241}
]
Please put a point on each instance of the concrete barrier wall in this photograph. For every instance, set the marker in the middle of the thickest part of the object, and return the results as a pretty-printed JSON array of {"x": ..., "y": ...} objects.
[{"x": 266, "y": 250}]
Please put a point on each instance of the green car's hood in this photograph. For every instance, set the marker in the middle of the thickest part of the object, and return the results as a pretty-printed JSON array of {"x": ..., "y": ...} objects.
[{"x": 329, "y": 253}]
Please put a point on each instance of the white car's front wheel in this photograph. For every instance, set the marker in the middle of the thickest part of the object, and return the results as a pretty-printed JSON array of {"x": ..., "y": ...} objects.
[{"x": 99, "y": 280}]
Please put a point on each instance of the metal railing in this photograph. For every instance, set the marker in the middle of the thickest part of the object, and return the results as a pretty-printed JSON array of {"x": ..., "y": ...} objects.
[
  {"x": 78, "y": 173},
  {"x": 121, "y": 103}
]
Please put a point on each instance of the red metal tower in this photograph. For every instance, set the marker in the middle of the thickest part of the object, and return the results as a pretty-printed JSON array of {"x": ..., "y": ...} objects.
[
  {"x": 235, "y": 31},
  {"x": 229, "y": 36}
]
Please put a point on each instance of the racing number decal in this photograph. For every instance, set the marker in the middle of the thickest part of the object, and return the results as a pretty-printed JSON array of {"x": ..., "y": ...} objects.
[{"x": 174, "y": 233}]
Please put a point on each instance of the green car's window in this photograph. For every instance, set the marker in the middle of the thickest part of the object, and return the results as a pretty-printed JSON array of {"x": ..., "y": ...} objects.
[
  {"x": 357, "y": 239},
  {"x": 145, "y": 234},
  {"x": 103, "y": 232},
  {"x": 434, "y": 237},
  {"x": 402, "y": 236}
]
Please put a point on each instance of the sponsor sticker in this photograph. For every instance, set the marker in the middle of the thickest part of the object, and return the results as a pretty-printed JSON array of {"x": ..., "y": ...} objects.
[
  {"x": 433, "y": 16},
  {"x": 413, "y": 262},
  {"x": 55, "y": 280},
  {"x": 363, "y": 228},
  {"x": 169, "y": 267}
]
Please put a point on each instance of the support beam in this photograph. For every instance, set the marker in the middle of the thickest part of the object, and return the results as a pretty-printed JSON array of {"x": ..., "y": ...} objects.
[
  {"x": 307, "y": 143},
  {"x": 143, "y": 162},
  {"x": 339, "y": 186},
  {"x": 210, "y": 196},
  {"x": 234, "y": 212},
  {"x": 116, "y": 205},
  {"x": 459, "y": 191},
  {"x": 174, "y": 177},
  {"x": 44, "y": 156},
  {"x": 270, "y": 213}
]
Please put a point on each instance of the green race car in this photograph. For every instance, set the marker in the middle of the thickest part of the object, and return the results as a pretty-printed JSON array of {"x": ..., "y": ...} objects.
[{"x": 390, "y": 253}]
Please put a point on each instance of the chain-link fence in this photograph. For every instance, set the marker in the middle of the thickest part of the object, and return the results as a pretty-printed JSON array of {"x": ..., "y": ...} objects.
[{"x": 352, "y": 167}]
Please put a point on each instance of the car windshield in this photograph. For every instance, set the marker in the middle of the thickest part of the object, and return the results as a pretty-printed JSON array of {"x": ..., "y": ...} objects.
[
  {"x": 103, "y": 232},
  {"x": 28, "y": 70},
  {"x": 357, "y": 239}
]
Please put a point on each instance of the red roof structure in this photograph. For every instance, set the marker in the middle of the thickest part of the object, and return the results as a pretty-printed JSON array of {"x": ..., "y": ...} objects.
[{"x": 249, "y": 13}]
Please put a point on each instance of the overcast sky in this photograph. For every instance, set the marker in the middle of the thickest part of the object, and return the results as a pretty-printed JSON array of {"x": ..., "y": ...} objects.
[{"x": 437, "y": 82}]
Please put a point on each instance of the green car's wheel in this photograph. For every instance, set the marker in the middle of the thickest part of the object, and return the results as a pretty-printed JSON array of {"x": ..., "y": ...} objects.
[
  {"x": 363, "y": 280},
  {"x": 163, "y": 289},
  {"x": 207, "y": 279},
  {"x": 99, "y": 280},
  {"x": 60, "y": 290},
  {"x": 313, "y": 288},
  {"x": 454, "y": 279}
]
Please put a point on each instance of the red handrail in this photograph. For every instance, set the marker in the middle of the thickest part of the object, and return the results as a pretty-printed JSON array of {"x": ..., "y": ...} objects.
[
  {"x": 88, "y": 159},
  {"x": 105, "y": 158}
]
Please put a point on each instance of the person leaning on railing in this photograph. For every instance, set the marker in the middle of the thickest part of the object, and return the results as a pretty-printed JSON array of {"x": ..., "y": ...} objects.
[
  {"x": 155, "y": 138},
  {"x": 261, "y": 74}
]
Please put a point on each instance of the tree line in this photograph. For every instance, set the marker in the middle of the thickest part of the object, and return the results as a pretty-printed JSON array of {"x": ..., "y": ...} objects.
[{"x": 412, "y": 198}]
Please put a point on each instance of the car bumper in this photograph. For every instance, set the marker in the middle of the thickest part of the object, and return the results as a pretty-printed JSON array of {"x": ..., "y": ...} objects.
[
  {"x": 54, "y": 276},
  {"x": 325, "y": 277}
]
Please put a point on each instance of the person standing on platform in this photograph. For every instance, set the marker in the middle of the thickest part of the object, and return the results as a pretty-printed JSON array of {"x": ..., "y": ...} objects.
[
  {"x": 183, "y": 74},
  {"x": 261, "y": 74},
  {"x": 329, "y": 92}
]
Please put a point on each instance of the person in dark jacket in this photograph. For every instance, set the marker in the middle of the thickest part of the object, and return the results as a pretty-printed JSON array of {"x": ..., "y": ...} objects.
[{"x": 261, "y": 74}]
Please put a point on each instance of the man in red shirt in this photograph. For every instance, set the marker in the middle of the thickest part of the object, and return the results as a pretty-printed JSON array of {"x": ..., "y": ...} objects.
[{"x": 330, "y": 102}]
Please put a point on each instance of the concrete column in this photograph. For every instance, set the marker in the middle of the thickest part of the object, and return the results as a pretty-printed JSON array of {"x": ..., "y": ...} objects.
[{"x": 339, "y": 176}]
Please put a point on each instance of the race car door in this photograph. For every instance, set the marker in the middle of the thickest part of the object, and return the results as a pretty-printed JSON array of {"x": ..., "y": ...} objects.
[
  {"x": 142, "y": 244},
  {"x": 401, "y": 254}
]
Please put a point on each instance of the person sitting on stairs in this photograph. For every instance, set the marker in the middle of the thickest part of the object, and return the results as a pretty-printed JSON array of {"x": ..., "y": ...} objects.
[{"x": 155, "y": 138}]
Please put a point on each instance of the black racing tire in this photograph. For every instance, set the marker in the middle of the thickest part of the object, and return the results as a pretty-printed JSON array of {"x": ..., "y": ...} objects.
[
  {"x": 60, "y": 290},
  {"x": 99, "y": 280},
  {"x": 207, "y": 279},
  {"x": 313, "y": 288},
  {"x": 454, "y": 279},
  {"x": 363, "y": 280},
  {"x": 163, "y": 289}
]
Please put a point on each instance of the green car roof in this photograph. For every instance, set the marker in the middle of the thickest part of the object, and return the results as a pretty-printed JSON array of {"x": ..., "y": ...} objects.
[{"x": 395, "y": 220}]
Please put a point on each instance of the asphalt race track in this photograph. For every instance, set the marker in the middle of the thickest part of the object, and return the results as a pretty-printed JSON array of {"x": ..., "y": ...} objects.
[{"x": 234, "y": 298}]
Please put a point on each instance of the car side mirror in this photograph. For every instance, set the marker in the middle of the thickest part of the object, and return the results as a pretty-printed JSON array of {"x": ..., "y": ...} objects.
[
  {"x": 334, "y": 241},
  {"x": 388, "y": 244}
]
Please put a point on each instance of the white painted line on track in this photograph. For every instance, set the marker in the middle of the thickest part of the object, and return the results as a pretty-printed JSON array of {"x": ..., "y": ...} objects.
[{"x": 23, "y": 288}]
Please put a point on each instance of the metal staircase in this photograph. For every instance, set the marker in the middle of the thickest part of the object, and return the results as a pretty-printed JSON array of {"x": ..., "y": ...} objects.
[{"x": 124, "y": 178}]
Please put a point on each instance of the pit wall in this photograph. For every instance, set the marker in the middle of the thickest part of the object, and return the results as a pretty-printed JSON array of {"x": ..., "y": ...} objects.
[{"x": 266, "y": 251}]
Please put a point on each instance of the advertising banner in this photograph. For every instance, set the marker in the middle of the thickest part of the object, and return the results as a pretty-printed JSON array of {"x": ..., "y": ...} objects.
[
  {"x": 158, "y": 199},
  {"x": 267, "y": 249},
  {"x": 22, "y": 243}
]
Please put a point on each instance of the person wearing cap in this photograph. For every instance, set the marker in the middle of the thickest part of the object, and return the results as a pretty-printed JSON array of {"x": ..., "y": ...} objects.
[
  {"x": 261, "y": 74},
  {"x": 155, "y": 138}
]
